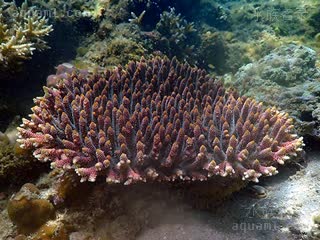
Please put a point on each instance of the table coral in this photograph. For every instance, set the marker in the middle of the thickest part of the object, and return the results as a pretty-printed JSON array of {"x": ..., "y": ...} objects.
[
  {"x": 156, "y": 120},
  {"x": 21, "y": 32}
]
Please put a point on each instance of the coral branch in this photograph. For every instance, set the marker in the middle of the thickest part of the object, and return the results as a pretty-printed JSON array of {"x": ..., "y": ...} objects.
[{"x": 21, "y": 32}]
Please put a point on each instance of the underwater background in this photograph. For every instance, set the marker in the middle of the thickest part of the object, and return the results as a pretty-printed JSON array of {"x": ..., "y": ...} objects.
[{"x": 165, "y": 67}]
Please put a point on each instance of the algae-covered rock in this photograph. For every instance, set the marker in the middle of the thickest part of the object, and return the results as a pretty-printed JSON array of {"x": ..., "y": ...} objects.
[
  {"x": 51, "y": 231},
  {"x": 20, "y": 237},
  {"x": 115, "y": 52},
  {"x": 123, "y": 227},
  {"x": 314, "y": 19},
  {"x": 27, "y": 210},
  {"x": 122, "y": 45},
  {"x": 315, "y": 230},
  {"x": 69, "y": 191},
  {"x": 316, "y": 219},
  {"x": 15, "y": 163},
  {"x": 288, "y": 78}
]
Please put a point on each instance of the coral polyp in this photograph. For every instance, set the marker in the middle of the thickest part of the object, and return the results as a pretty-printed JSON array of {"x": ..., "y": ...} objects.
[{"x": 156, "y": 120}]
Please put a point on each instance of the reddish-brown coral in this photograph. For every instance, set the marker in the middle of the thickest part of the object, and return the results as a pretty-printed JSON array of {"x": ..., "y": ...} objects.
[{"x": 156, "y": 120}]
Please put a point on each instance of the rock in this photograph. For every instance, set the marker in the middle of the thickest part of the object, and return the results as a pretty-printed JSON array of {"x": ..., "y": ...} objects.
[
  {"x": 257, "y": 191},
  {"x": 316, "y": 219},
  {"x": 315, "y": 232},
  {"x": 20, "y": 237},
  {"x": 51, "y": 231},
  {"x": 294, "y": 230},
  {"x": 287, "y": 78},
  {"x": 2, "y": 196},
  {"x": 17, "y": 165},
  {"x": 79, "y": 236},
  {"x": 27, "y": 210},
  {"x": 123, "y": 227}
]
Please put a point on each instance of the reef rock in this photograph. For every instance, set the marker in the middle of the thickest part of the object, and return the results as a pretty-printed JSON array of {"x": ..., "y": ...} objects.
[
  {"x": 287, "y": 78},
  {"x": 16, "y": 164},
  {"x": 27, "y": 210}
]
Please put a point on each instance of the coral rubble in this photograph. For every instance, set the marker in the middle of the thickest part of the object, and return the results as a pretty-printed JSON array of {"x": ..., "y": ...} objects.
[
  {"x": 156, "y": 120},
  {"x": 22, "y": 31}
]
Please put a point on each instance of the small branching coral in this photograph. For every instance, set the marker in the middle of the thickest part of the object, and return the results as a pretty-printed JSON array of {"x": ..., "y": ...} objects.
[
  {"x": 177, "y": 35},
  {"x": 21, "y": 32},
  {"x": 156, "y": 120}
]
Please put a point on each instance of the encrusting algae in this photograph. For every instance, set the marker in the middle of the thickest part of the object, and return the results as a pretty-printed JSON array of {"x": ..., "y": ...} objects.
[
  {"x": 15, "y": 163},
  {"x": 27, "y": 210}
]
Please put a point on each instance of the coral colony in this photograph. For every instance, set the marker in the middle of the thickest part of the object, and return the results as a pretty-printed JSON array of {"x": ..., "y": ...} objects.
[
  {"x": 21, "y": 32},
  {"x": 156, "y": 120}
]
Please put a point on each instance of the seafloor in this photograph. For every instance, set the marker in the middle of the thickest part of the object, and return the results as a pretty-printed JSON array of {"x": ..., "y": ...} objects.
[{"x": 264, "y": 49}]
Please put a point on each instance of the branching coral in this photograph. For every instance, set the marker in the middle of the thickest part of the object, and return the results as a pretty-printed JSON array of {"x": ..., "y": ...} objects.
[
  {"x": 156, "y": 120},
  {"x": 21, "y": 32},
  {"x": 176, "y": 33}
]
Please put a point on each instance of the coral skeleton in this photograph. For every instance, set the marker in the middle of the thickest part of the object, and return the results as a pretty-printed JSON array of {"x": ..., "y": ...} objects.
[
  {"x": 156, "y": 120},
  {"x": 21, "y": 32},
  {"x": 137, "y": 19}
]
